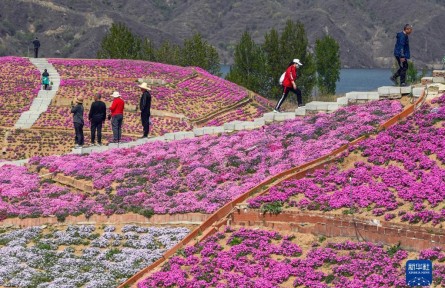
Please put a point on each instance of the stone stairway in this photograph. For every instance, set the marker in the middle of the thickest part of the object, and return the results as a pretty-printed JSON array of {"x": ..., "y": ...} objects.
[{"x": 43, "y": 100}]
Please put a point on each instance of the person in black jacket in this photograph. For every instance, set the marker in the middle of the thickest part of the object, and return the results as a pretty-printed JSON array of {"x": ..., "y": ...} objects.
[
  {"x": 36, "y": 44},
  {"x": 77, "y": 111},
  {"x": 97, "y": 117},
  {"x": 145, "y": 105}
]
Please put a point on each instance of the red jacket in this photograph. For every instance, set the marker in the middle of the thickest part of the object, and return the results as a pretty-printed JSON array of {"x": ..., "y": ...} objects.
[
  {"x": 291, "y": 75},
  {"x": 117, "y": 107}
]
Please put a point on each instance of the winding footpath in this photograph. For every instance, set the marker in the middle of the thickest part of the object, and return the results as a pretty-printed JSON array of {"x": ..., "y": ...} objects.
[{"x": 43, "y": 100}]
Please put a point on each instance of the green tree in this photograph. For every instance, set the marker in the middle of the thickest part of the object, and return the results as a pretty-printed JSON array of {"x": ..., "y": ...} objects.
[
  {"x": 294, "y": 44},
  {"x": 197, "y": 52},
  {"x": 168, "y": 53},
  {"x": 248, "y": 69},
  {"x": 327, "y": 58},
  {"x": 274, "y": 64},
  {"x": 120, "y": 43},
  {"x": 147, "y": 50}
]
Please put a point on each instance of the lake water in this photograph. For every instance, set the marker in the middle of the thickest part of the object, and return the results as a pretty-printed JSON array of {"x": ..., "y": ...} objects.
[{"x": 353, "y": 79}]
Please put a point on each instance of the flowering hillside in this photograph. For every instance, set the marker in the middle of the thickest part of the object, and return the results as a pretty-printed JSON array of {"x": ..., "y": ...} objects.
[
  {"x": 204, "y": 173},
  {"x": 191, "y": 91},
  {"x": 19, "y": 85},
  {"x": 399, "y": 175},
  {"x": 259, "y": 258}
]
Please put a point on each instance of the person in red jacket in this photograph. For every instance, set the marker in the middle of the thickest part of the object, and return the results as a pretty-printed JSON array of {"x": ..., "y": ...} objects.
[
  {"x": 290, "y": 77},
  {"x": 117, "y": 116}
]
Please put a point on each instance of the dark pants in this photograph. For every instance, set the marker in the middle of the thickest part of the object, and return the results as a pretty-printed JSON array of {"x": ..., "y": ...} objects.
[
  {"x": 78, "y": 129},
  {"x": 45, "y": 86},
  {"x": 96, "y": 125},
  {"x": 116, "y": 125},
  {"x": 403, "y": 67},
  {"x": 36, "y": 52},
  {"x": 286, "y": 91},
  {"x": 145, "y": 119}
]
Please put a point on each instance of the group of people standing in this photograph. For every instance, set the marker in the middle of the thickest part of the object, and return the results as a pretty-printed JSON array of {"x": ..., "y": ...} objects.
[{"x": 98, "y": 115}]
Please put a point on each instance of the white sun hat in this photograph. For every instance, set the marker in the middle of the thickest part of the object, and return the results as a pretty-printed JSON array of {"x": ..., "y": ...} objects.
[
  {"x": 145, "y": 86},
  {"x": 298, "y": 62},
  {"x": 115, "y": 94}
]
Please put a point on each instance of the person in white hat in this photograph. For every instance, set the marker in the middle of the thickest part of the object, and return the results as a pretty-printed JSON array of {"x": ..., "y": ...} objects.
[
  {"x": 289, "y": 84},
  {"x": 145, "y": 106},
  {"x": 117, "y": 116}
]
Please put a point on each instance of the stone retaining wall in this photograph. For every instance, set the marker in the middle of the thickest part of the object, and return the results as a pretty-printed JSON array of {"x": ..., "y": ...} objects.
[
  {"x": 163, "y": 219},
  {"x": 410, "y": 237}
]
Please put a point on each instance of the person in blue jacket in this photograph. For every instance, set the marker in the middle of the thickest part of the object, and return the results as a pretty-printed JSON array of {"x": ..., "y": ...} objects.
[{"x": 402, "y": 54}]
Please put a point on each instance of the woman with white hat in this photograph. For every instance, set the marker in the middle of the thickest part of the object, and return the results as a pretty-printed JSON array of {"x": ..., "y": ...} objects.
[
  {"x": 290, "y": 76},
  {"x": 77, "y": 111},
  {"x": 117, "y": 116},
  {"x": 145, "y": 105}
]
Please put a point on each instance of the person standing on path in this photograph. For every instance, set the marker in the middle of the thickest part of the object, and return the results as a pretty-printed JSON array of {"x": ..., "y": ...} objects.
[
  {"x": 117, "y": 116},
  {"x": 45, "y": 79},
  {"x": 145, "y": 106},
  {"x": 402, "y": 54},
  {"x": 36, "y": 43},
  {"x": 290, "y": 77},
  {"x": 77, "y": 111},
  {"x": 97, "y": 115}
]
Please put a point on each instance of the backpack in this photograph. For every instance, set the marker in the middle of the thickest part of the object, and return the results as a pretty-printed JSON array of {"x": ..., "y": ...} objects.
[{"x": 282, "y": 78}]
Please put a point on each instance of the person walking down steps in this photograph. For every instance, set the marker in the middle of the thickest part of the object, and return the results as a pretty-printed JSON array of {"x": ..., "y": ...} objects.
[
  {"x": 289, "y": 84},
  {"x": 45, "y": 79},
  {"x": 36, "y": 44},
  {"x": 145, "y": 105},
  {"x": 402, "y": 54}
]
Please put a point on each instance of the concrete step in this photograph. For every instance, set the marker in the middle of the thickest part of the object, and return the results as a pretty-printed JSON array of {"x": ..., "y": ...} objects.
[
  {"x": 178, "y": 135},
  {"x": 300, "y": 111},
  {"x": 393, "y": 92},
  {"x": 367, "y": 96}
]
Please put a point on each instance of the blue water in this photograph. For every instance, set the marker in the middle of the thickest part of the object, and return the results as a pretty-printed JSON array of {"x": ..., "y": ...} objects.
[{"x": 353, "y": 79}]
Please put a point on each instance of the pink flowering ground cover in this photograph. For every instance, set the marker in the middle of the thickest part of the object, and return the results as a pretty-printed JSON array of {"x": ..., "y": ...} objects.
[
  {"x": 243, "y": 113},
  {"x": 118, "y": 68},
  {"x": 24, "y": 194},
  {"x": 19, "y": 85},
  {"x": 197, "y": 91},
  {"x": 399, "y": 175},
  {"x": 204, "y": 173},
  {"x": 189, "y": 92},
  {"x": 259, "y": 258}
]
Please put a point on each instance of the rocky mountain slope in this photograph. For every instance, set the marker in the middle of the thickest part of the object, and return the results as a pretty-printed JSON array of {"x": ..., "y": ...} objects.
[{"x": 365, "y": 29}]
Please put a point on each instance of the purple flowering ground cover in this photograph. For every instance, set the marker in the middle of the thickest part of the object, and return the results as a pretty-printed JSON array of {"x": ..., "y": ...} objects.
[
  {"x": 204, "y": 173},
  {"x": 399, "y": 175},
  {"x": 260, "y": 258},
  {"x": 81, "y": 255}
]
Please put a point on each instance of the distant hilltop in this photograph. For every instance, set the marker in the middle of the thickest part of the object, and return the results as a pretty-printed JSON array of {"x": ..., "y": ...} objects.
[{"x": 365, "y": 29}]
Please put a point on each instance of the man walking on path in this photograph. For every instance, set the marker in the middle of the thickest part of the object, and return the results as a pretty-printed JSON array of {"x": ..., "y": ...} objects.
[
  {"x": 97, "y": 115},
  {"x": 290, "y": 76},
  {"x": 77, "y": 111},
  {"x": 145, "y": 105},
  {"x": 401, "y": 52},
  {"x": 117, "y": 116},
  {"x": 36, "y": 43}
]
